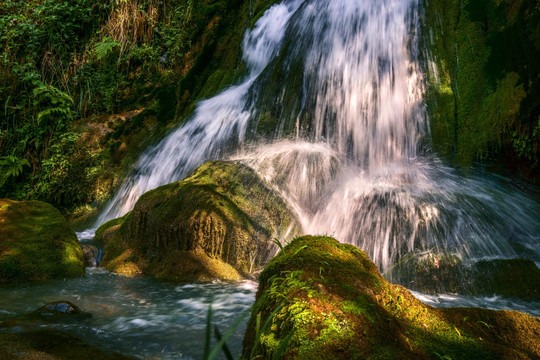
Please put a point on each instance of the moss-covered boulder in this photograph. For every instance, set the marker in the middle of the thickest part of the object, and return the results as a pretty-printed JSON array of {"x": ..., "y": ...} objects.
[
  {"x": 319, "y": 299},
  {"x": 36, "y": 243},
  {"x": 219, "y": 223},
  {"x": 435, "y": 273}
]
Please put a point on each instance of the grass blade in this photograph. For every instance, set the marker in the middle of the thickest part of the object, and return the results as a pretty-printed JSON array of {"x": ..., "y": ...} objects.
[
  {"x": 226, "y": 350},
  {"x": 208, "y": 333}
]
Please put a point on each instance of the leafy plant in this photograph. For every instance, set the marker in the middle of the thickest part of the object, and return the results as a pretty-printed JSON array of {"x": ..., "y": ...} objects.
[{"x": 11, "y": 166}]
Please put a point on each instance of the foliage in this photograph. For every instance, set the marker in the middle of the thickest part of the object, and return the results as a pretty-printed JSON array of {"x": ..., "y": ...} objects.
[
  {"x": 66, "y": 60},
  {"x": 11, "y": 166}
]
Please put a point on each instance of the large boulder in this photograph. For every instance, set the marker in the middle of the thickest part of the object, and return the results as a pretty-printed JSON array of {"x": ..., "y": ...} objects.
[
  {"x": 435, "y": 273},
  {"x": 36, "y": 243},
  {"x": 319, "y": 299},
  {"x": 219, "y": 223}
]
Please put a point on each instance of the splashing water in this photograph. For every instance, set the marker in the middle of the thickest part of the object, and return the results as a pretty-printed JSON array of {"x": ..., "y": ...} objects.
[{"x": 340, "y": 83}]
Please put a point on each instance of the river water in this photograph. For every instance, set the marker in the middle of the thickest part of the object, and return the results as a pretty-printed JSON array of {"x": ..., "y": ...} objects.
[{"x": 140, "y": 317}]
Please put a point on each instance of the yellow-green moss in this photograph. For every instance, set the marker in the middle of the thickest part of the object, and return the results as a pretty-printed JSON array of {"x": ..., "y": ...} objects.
[
  {"x": 328, "y": 301},
  {"x": 217, "y": 223},
  {"x": 36, "y": 243}
]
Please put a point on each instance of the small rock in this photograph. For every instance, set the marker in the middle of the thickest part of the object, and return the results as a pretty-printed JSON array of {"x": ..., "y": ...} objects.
[
  {"x": 90, "y": 253},
  {"x": 59, "y": 310}
]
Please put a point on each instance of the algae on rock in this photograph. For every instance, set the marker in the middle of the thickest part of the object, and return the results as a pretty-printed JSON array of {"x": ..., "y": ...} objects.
[
  {"x": 36, "y": 243},
  {"x": 483, "y": 82},
  {"x": 319, "y": 299},
  {"x": 218, "y": 223}
]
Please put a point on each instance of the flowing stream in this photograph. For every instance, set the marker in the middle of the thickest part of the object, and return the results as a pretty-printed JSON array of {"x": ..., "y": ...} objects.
[{"x": 330, "y": 113}]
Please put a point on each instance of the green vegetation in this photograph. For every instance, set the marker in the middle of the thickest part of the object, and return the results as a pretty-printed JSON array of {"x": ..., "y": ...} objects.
[
  {"x": 86, "y": 85},
  {"x": 326, "y": 300},
  {"x": 217, "y": 223},
  {"x": 484, "y": 82},
  {"x": 36, "y": 243}
]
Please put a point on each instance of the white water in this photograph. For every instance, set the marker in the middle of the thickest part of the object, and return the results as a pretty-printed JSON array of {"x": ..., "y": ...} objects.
[{"x": 361, "y": 171}]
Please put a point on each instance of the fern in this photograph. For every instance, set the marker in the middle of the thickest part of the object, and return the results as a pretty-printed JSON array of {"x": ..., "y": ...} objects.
[
  {"x": 56, "y": 105},
  {"x": 11, "y": 166}
]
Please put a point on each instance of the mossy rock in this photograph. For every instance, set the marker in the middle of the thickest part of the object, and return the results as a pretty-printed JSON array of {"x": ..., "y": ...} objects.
[
  {"x": 507, "y": 277},
  {"x": 430, "y": 273},
  {"x": 319, "y": 299},
  {"x": 36, "y": 243},
  {"x": 219, "y": 223},
  {"x": 435, "y": 273}
]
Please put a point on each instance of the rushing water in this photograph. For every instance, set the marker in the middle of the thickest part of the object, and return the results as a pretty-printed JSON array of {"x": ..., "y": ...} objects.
[
  {"x": 135, "y": 316},
  {"x": 217, "y": 123}
]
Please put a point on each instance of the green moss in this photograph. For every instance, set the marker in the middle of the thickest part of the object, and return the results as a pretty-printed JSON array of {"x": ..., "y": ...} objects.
[
  {"x": 328, "y": 300},
  {"x": 216, "y": 223},
  {"x": 483, "y": 82},
  {"x": 36, "y": 243},
  {"x": 98, "y": 236}
]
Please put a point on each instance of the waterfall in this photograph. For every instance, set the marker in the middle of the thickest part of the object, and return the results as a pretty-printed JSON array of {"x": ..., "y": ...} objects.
[
  {"x": 216, "y": 123},
  {"x": 331, "y": 115}
]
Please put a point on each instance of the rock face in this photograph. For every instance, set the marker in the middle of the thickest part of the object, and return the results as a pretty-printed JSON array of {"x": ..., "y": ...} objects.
[
  {"x": 218, "y": 223},
  {"x": 319, "y": 299},
  {"x": 36, "y": 243},
  {"x": 432, "y": 273}
]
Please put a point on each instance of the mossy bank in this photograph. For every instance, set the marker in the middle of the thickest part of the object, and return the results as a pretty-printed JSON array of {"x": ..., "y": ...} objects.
[
  {"x": 218, "y": 223},
  {"x": 483, "y": 82},
  {"x": 319, "y": 299},
  {"x": 36, "y": 243}
]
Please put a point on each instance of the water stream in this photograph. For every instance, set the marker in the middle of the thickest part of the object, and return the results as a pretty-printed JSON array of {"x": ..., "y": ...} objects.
[{"x": 140, "y": 317}]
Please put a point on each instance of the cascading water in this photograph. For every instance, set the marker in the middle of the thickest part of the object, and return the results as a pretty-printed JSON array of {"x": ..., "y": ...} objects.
[
  {"x": 216, "y": 123},
  {"x": 333, "y": 118}
]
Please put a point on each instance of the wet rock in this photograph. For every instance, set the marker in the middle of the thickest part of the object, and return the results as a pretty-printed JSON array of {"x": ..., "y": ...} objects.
[
  {"x": 58, "y": 310},
  {"x": 90, "y": 253},
  {"x": 319, "y": 299},
  {"x": 219, "y": 223},
  {"x": 507, "y": 277},
  {"x": 430, "y": 273},
  {"x": 58, "y": 307},
  {"x": 436, "y": 273},
  {"x": 36, "y": 243}
]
